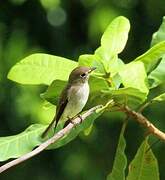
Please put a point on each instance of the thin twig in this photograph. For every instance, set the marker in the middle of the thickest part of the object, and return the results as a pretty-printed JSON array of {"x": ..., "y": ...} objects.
[
  {"x": 144, "y": 121},
  {"x": 50, "y": 141},
  {"x": 153, "y": 144},
  {"x": 144, "y": 106}
]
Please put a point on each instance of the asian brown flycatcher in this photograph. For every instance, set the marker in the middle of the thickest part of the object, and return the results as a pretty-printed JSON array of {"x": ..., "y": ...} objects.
[{"x": 73, "y": 97}]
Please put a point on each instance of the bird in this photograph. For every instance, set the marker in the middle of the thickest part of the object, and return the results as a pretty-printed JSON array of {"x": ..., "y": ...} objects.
[{"x": 73, "y": 97}]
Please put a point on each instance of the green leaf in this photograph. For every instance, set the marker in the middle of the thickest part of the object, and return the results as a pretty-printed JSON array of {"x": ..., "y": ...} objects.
[
  {"x": 17, "y": 145},
  {"x": 159, "y": 98},
  {"x": 112, "y": 43},
  {"x": 130, "y": 96},
  {"x": 134, "y": 75},
  {"x": 159, "y": 35},
  {"x": 75, "y": 131},
  {"x": 120, "y": 162},
  {"x": 41, "y": 69},
  {"x": 157, "y": 76},
  {"x": 144, "y": 166},
  {"x": 88, "y": 130},
  {"x": 151, "y": 57},
  {"x": 53, "y": 92},
  {"x": 115, "y": 37},
  {"x": 115, "y": 64},
  {"x": 97, "y": 84},
  {"x": 92, "y": 60}
]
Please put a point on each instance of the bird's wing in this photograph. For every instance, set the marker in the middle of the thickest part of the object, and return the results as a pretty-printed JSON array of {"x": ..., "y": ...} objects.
[{"x": 60, "y": 108}]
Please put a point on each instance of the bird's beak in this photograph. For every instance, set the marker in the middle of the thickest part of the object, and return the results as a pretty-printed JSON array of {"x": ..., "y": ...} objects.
[{"x": 91, "y": 69}]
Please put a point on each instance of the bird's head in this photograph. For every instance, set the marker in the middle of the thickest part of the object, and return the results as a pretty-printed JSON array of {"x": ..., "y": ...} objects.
[{"x": 80, "y": 74}]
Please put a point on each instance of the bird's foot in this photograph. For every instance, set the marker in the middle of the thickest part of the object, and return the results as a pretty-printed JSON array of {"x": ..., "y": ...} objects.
[
  {"x": 81, "y": 119},
  {"x": 70, "y": 120}
]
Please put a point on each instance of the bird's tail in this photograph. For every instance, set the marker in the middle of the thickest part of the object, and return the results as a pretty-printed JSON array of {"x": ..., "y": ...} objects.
[{"x": 53, "y": 124}]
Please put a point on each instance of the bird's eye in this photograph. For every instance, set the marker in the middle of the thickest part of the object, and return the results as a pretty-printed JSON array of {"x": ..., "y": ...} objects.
[{"x": 83, "y": 75}]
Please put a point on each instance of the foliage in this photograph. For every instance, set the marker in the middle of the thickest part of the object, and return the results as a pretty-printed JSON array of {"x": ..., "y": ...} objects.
[
  {"x": 120, "y": 162},
  {"x": 127, "y": 84},
  {"x": 17, "y": 145},
  {"x": 144, "y": 165}
]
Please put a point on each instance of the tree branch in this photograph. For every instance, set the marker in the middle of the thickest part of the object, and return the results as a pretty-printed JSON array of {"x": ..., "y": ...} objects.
[
  {"x": 144, "y": 121},
  {"x": 131, "y": 113},
  {"x": 50, "y": 141}
]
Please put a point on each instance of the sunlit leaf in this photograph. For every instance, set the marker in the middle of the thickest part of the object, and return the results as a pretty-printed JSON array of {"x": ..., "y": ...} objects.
[
  {"x": 120, "y": 162},
  {"x": 144, "y": 166},
  {"x": 159, "y": 98},
  {"x": 41, "y": 69},
  {"x": 88, "y": 130},
  {"x": 151, "y": 57},
  {"x": 159, "y": 35},
  {"x": 115, "y": 37},
  {"x": 115, "y": 65},
  {"x": 17, "y": 145},
  {"x": 134, "y": 75},
  {"x": 157, "y": 76},
  {"x": 112, "y": 43},
  {"x": 92, "y": 60}
]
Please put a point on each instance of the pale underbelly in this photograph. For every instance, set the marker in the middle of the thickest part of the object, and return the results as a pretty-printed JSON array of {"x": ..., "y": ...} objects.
[{"x": 75, "y": 104}]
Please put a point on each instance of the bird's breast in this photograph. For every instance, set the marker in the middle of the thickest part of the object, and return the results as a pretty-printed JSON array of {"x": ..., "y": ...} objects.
[
  {"x": 79, "y": 95},
  {"x": 77, "y": 98}
]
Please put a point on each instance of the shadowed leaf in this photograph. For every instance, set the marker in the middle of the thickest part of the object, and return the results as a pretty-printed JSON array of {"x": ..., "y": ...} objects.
[
  {"x": 120, "y": 162},
  {"x": 144, "y": 166}
]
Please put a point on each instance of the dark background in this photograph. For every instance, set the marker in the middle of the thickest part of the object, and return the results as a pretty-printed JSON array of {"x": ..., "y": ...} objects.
[{"x": 70, "y": 28}]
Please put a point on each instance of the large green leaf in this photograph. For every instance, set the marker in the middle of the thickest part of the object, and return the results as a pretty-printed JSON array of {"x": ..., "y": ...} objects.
[
  {"x": 92, "y": 60},
  {"x": 115, "y": 37},
  {"x": 159, "y": 35},
  {"x": 157, "y": 76},
  {"x": 134, "y": 75},
  {"x": 144, "y": 166},
  {"x": 17, "y": 145},
  {"x": 41, "y": 69},
  {"x": 112, "y": 43},
  {"x": 120, "y": 162},
  {"x": 151, "y": 57}
]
